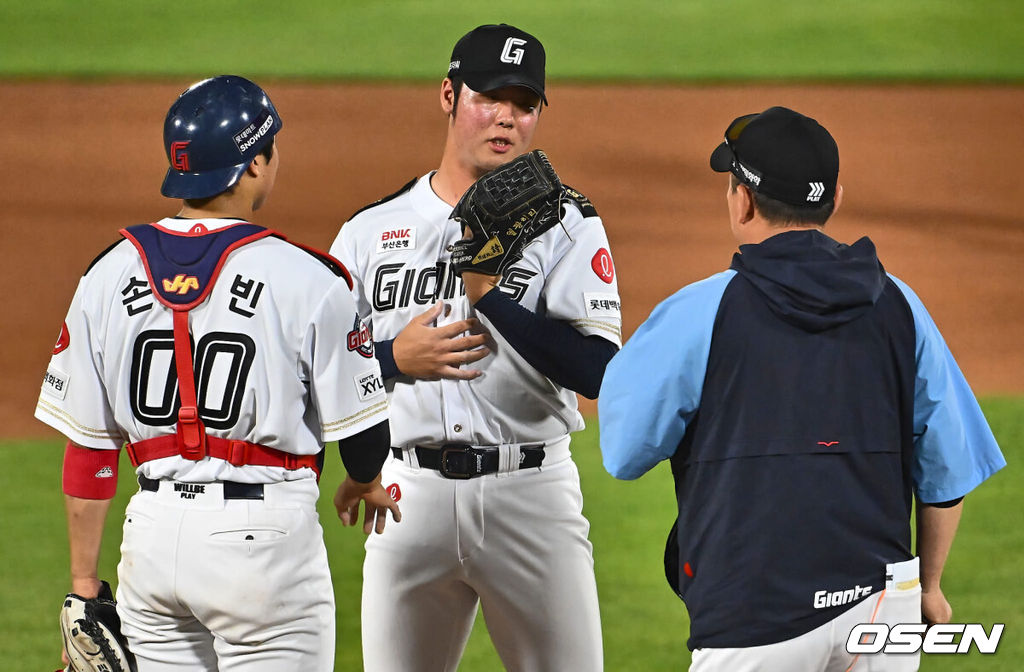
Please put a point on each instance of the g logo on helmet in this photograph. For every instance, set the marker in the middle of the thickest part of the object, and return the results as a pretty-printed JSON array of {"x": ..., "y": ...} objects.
[{"x": 179, "y": 157}]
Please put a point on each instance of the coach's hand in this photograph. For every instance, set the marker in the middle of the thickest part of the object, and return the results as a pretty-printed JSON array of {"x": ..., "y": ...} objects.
[
  {"x": 378, "y": 503},
  {"x": 935, "y": 607},
  {"x": 429, "y": 353}
]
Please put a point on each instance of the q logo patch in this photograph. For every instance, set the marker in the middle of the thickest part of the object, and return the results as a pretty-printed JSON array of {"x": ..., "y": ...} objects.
[
  {"x": 63, "y": 341},
  {"x": 602, "y": 265}
]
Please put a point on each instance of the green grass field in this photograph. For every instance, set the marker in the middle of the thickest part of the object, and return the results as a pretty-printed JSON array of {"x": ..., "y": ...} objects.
[
  {"x": 586, "y": 39},
  {"x": 645, "y": 625}
]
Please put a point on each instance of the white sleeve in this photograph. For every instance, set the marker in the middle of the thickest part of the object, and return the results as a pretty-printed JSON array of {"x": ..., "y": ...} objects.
[
  {"x": 344, "y": 250},
  {"x": 345, "y": 380},
  {"x": 582, "y": 288},
  {"x": 73, "y": 399}
]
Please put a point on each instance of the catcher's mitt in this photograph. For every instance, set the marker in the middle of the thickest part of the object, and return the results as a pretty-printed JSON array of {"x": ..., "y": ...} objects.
[
  {"x": 505, "y": 210},
  {"x": 92, "y": 634}
]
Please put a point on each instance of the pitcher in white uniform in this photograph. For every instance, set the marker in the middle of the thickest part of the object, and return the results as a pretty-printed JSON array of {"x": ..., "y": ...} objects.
[
  {"x": 217, "y": 350},
  {"x": 482, "y": 382}
]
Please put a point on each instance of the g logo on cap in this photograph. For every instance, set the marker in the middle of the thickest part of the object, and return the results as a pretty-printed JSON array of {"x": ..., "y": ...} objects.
[{"x": 510, "y": 55}]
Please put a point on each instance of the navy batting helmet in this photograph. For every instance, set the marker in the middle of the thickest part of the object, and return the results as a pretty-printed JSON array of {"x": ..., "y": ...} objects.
[{"x": 212, "y": 132}]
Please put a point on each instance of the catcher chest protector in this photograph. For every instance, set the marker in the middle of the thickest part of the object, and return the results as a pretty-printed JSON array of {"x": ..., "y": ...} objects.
[{"x": 182, "y": 269}]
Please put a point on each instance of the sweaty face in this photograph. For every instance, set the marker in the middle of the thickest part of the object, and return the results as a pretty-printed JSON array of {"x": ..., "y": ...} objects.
[{"x": 493, "y": 128}]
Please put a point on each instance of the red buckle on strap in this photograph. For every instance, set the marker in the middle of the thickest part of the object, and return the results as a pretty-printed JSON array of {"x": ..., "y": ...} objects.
[
  {"x": 238, "y": 453},
  {"x": 291, "y": 461},
  {"x": 191, "y": 434},
  {"x": 130, "y": 449}
]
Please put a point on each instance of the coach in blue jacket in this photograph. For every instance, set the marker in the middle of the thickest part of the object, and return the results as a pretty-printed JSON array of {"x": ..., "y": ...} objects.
[{"x": 804, "y": 397}]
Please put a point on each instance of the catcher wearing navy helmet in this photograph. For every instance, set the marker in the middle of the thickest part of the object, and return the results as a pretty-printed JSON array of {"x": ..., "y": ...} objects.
[{"x": 225, "y": 357}]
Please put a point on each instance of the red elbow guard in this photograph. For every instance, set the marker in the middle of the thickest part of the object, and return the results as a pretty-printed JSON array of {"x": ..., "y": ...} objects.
[{"x": 90, "y": 473}]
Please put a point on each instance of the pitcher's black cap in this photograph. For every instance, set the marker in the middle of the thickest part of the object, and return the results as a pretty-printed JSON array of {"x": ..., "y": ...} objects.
[
  {"x": 492, "y": 56},
  {"x": 781, "y": 154}
]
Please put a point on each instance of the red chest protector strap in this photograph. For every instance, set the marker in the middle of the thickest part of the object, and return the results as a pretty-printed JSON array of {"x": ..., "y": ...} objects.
[
  {"x": 191, "y": 432},
  {"x": 190, "y": 440}
]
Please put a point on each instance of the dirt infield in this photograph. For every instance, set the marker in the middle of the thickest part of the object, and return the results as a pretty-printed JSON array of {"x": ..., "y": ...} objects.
[{"x": 931, "y": 175}]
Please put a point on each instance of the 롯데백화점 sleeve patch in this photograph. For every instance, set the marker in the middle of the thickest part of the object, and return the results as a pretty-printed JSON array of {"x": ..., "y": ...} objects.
[
  {"x": 602, "y": 304},
  {"x": 55, "y": 382}
]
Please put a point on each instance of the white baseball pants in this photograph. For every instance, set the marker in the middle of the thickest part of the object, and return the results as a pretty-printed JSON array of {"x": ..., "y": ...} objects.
[
  {"x": 516, "y": 542},
  {"x": 212, "y": 584}
]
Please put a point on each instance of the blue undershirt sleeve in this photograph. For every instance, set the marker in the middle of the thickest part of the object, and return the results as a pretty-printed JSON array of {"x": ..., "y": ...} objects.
[
  {"x": 954, "y": 449},
  {"x": 652, "y": 387},
  {"x": 553, "y": 347}
]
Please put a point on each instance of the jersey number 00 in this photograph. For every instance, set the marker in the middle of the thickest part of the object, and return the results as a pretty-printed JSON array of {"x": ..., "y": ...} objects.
[{"x": 221, "y": 361}]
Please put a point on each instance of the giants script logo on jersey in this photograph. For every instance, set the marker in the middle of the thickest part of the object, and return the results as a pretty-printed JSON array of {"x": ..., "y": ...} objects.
[
  {"x": 360, "y": 339},
  {"x": 395, "y": 286},
  {"x": 602, "y": 265},
  {"x": 181, "y": 284},
  {"x": 824, "y": 598},
  {"x": 179, "y": 157},
  {"x": 63, "y": 340}
]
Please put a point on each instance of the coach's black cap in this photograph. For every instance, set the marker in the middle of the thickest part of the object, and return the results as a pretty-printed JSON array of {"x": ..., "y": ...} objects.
[
  {"x": 492, "y": 56},
  {"x": 781, "y": 154}
]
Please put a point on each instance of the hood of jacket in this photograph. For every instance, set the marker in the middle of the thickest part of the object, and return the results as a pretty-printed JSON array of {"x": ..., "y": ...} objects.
[{"x": 812, "y": 281}]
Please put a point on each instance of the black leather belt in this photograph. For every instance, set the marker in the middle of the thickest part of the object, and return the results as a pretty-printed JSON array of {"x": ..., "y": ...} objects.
[
  {"x": 232, "y": 489},
  {"x": 460, "y": 461}
]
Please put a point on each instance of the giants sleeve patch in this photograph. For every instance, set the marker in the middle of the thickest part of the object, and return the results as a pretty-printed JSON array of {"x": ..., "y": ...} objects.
[
  {"x": 600, "y": 304},
  {"x": 369, "y": 385},
  {"x": 55, "y": 383},
  {"x": 360, "y": 339}
]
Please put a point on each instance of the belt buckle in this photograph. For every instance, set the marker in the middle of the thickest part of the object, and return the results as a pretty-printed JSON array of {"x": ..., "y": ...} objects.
[
  {"x": 130, "y": 449},
  {"x": 455, "y": 472},
  {"x": 238, "y": 453},
  {"x": 191, "y": 434},
  {"x": 291, "y": 461}
]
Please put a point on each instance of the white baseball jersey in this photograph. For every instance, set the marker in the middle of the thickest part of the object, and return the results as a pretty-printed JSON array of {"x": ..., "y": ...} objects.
[
  {"x": 399, "y": 252},
  {"x": 516, "y": 541},
  {"x": 273, "y": 364}
]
